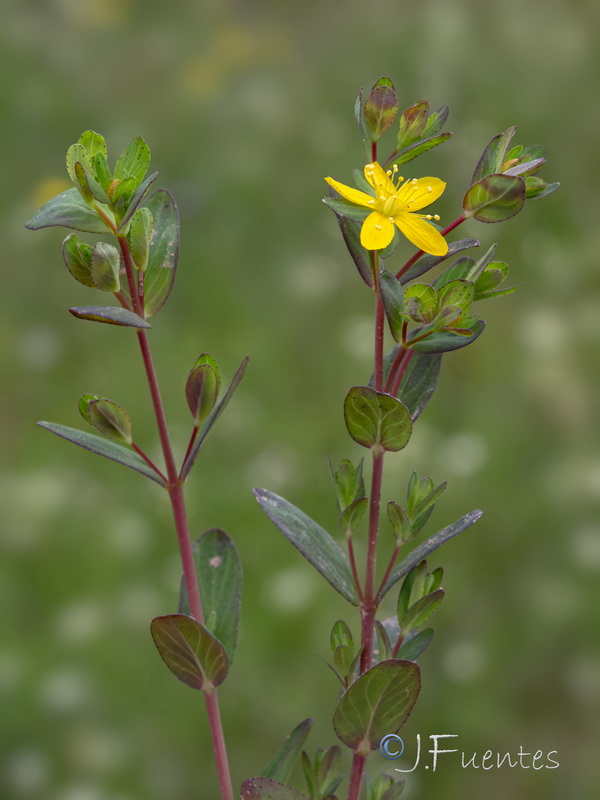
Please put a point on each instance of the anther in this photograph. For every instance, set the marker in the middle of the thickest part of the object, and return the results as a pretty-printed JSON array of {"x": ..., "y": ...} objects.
[
  {"x": 436, "y": 217},
  {"x": 428, "y": 216},
  {"x": 377, "y": 227},
  {"x": 371, "y": 202},
  {"x": 389, "y": 172},
  {"x": 429, "y": 189},
  {"x": 395, "y": 167},
  {"x": 391, "y": 219}
]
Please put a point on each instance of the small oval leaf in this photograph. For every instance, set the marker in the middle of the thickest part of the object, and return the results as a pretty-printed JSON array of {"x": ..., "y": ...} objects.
[
  {"x": 105, "y": 265},
  {"x": 202, "y": 387},
  {"x": 78, "y": 256},
  {"x": 70, "y": 211},
  {"x": 495, "y": 198},
  {"x": 192, "y": 654},
  {"x": 110, "y": 419},
  {"x": 376, "y": 419},
  {"x": 377, "y": 704}
]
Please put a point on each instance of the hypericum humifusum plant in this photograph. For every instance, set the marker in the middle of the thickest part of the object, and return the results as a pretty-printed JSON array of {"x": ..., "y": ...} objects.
[{"x": 378, "y": 674}]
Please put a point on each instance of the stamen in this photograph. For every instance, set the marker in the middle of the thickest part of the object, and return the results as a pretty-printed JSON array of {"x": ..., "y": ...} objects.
[
  {"x": 428, "y": 216},
  {"x": 429, "y": 189},
  {"x": 395, "y": 168},
  {"x": 371, "y": 202},
  {"x": 436, "y": 217},
  {"x": 391, "y": 219},
  {"x": 377, "y": 227},
  {"x": 389, "y": 172}
]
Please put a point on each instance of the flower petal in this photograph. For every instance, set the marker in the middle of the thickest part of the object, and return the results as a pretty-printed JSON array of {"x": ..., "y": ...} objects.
[
  {"x": 353, "y": 195},
  {"x": 377, "y": 231},
  {"x": 421, "y": 234},
  {"x": 417, "y": 194},
  {"x": 377, "y": 177}
]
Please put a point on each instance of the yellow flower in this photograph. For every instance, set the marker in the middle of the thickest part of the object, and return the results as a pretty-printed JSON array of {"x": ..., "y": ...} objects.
[{"x": 396, "y": 203}]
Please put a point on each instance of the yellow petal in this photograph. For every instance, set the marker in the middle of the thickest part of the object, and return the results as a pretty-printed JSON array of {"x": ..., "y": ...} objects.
[
  {"x": 353, "y": 195},
  {"x": 421, "y": 234},
  {"x": 415, "y": 195},
  {"x": 376, "y": 176},
  {"x": 377, "y": 231}
]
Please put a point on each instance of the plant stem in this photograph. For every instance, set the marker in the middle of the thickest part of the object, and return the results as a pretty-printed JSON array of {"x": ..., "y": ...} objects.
[
  {"x": 352, "y": 559},
  {"x": 454, "y": 224},
  {"x": 148, "y": 461},
  {"x": 369, "y": 606},
  {"x": 395, "y": 365},
  {"x": 401, "y": 370},
  {"x": 358, "y": 766},
  {"x": 379, "y": 324},
  {"x": 175, "y": 489}
]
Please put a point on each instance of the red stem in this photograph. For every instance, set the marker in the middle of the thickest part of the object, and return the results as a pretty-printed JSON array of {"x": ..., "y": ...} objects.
[
  {"x": 388, "y": 571},
  {"x": 401, "y": 371},
  {"x": 175, "y": 490},
  {"x": 369, "y": 607},
  {"x": 395, "y": 364},
  {"x": 148, "y": 461},
  {"x": 189, "y": 447},
  {"x": 358, "y": 766},
  {"x": 454, "y": 224},
  {"x": 354, "y": 569}
]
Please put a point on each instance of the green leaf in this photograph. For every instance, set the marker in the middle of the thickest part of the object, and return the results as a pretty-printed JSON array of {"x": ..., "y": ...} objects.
[
  {"x": 70, "y": 211},
  {"x": 110, "y": 419},
  {"x": 133, "y": 161},
  {"x": 315, "y": 544},
  {"x": 164, "y": 251},
  {"x": 341, "y": 635},
  {"x": 110, "y": 315},
  {"x": 445, "y": 341},
  {"x": 281, "y": 765},
  {"x": 412, "y": 124},
  {"x": 105, "y": 265},
  {"x": 418, "y": 148},
  {"x": 377, "y": 420},
  {"x": 135, "y": 201},
  {"x": 419, "y": 381},
  {"x": 77, "y": 256},
  {"x": 346, "y": 209},
  {"x": 421, "y": 610},
  {"x": 494, "y": 156},
  {"x": 413, "y": 646},
  {"x": 394, "y": 792},
  {"x": 84, "y": 402},
  {"x": 399, "y": 522},
  {"x": 381, "y": 107},
  {"x": 94, "y": 143},
  {"x": 536, "y": 188},
  {"x": 352, "y": 515},
  {"x": 427, "y": 262},
  {"x": 208, "y": 424},
  {"x": 219, "y": 572},
  {"x": 392, "y": 296},
  {"x": 202, "y": 387},
  {"x": 191, "y": 653},
  {"x": 495, "y": 198},
  {"x": 437, "y": 120},
  {"x": 77, "y": 154},
  {"x": 103, "y": 447},
  {"x": 421, "y": 302},
  {"x": 140, "y": 236},
  {"x": 359, "y": 114},
  {"x": 268, "y": 789},
  {"x": 349, "y": 482},
  {"x": 351, "y": 233},
  {"x": 377, "y": 704},
  {"x": 423, "y": 550}
]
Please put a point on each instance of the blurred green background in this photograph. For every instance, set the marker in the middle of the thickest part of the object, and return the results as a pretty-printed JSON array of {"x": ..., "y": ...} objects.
[{"x": 246, "y": 107}]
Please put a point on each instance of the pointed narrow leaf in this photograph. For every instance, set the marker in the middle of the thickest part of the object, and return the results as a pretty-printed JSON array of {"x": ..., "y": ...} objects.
[
  {"x": 437, "y": 120},
  {"x": 412, "y": 647},
  {"x": 219, "y": 572},
  {"x": 110, "y": 315},
  {"x": 346, "y": 209},
  {"x": 445, "y": 341},
  {"x": 103, "y": 447},
  {"x": 495, "y": 153},
  {"x": 191, "y": 653},
  {"x": 427, "y": 262},
  {"x": 164, "y": 251},
  {"x": 377, "y": 704},
  {"x": 351, "y": 232},
  {"x": 140, "y": 236},
  {"x": 419, "y": 382},
  {"x": 376, "y": 419},
  {"x": 421, "y": 610},
  {"x": 315, "y": 544},
  {"x": 135, "y": 201},
  {"x": 283, "y": 762},
  {"x": 268, "y": 789},
  {"x": 205, "y": 430},
  {"x": 425, "y": 548},
  {"x": 70, "y": 211},
  {"x": 418, "y": 148}
]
